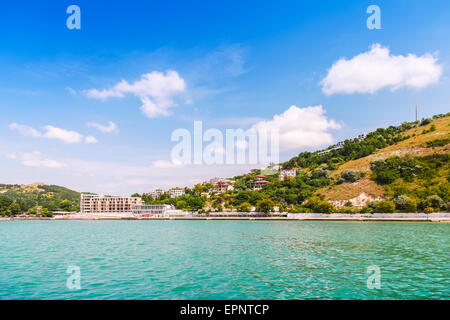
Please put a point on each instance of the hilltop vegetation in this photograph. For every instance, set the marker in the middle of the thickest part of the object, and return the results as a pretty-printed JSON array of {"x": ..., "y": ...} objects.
[
  {"x": 35, "y": 198},
  {"x": 400, "y": 168}
]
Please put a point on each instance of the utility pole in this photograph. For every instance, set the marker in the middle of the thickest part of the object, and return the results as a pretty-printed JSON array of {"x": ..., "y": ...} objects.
[{"x": 416, "y": 112}]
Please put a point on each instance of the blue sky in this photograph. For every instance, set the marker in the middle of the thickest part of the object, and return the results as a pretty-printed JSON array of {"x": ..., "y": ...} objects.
[{"x": 241, "y": 64}]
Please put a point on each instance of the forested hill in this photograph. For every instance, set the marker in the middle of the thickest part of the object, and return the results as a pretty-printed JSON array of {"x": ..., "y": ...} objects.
[
  {"x": 23, "y": 198},
  {"x": 399, "y": 168}
]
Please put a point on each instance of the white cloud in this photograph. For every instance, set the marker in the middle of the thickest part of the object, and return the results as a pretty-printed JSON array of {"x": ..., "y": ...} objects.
[
  {"x": 51, "y": 132},
  {"x": 156, "y": 91},
  {"x": 25, "y": 130},
  {"x": 376, "y": 69},
  {"x": 110, "y": 128},
  {"x": 300, "y": 127},
  {"x": 64, "y": 135},
  {"x": 90, "y": 139},
  {"x": 35, "y": 159}
]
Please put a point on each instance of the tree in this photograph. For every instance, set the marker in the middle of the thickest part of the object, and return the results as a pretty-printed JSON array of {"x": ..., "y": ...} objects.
[
  {"x": 265, "y": 205},
  {"x": 244, "y": 207},
  {"x": 410, "y": 205},
  {"x": 65, "y": 205},
  {"x": 385, "y": 206},
  {"x": 400, "y": 202},
  {"x": 195, "y": 202},
  {"x": 320, "y": 206},
  {"x": 5, "y": 202},
  {"x": 46, "y": 213},
  {"x": 14, "y": 208},
  {"x": 433, "y": 201},
  {"x": 181, "y": 204}
]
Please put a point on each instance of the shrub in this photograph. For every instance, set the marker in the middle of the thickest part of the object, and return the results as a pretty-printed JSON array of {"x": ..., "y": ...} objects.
[
  {"x": 265, "y": 205},
  {"x": 437, "y": 143},
  {"x": 299, "y": 209},
  {"x": 410, "y": 205},
  {"x": 319, "y": 206},
  {"x": 433, "y": 201},
  {"x": 365, "y": 209},
  {"x": 14, "y": 208},
  {"x": 428, "y": 210},
  {"x": 400, "y": 202},
  {"x": 385, "y": 206},
  {"x": 350, "y": 176},
  {"x": 46, "y": 213},
  {"x": 244, "y": 207}
]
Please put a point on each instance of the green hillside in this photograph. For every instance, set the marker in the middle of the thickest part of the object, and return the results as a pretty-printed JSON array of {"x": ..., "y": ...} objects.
[
  {"x": 397, "y": 169},
  {"x": 15, "y": 199}
]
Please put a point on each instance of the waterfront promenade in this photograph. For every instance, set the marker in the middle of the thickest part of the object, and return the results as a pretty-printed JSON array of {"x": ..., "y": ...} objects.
[{"x": 406, "y": 217}]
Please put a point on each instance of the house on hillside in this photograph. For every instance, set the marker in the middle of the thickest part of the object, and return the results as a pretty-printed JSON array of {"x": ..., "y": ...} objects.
[
  {"x": 260, "y": 182},
  {"x": 287, "y": 173},
  {"x": 176, "y": 192},
  {"x": 223, "y": 186}
]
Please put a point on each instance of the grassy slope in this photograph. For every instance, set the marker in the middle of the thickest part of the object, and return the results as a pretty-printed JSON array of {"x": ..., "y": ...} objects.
[
  {"x": 35, "y": 189},
  {"x": 415, "y": 146}
]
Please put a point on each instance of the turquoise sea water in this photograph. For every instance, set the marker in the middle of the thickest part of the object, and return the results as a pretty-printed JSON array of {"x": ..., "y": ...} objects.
[{"x": 224, "y": 259}]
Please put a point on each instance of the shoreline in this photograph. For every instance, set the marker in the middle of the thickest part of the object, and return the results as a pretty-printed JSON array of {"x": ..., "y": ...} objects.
[{"x": 395, "y": 217}]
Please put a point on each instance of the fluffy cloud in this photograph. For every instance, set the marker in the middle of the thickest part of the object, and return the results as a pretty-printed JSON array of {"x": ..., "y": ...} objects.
[
  {"x": 91, "y": 140},
  {"x": 156, "y": 91},
  {"x": 50, "y": 132},
  {"x": 110, "y": 128},
  {"x": 376, "y": 69},
  {"x": 35, "y": 159},
  {"x": 25, "y": 130},
  {"x": 300, "y": 127},
  {"x": 66, "y": 136}
]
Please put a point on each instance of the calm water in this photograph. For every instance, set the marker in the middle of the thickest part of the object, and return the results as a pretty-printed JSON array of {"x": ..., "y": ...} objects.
[{"x": 223, "y": 259}]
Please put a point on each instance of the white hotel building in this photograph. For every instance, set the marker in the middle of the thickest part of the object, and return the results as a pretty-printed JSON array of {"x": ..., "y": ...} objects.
[
  {"x": 176, "y": 192},
  {"x": 91, "y": 203}
]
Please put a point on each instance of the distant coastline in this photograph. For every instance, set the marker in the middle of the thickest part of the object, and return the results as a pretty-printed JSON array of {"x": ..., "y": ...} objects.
[{"x": 404, "y": 217}]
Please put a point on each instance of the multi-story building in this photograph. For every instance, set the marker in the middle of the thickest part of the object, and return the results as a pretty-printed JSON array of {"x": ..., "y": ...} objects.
[
  {"x": 176, "y": 192},
  {"x": 287, "y": 173},
  {"x": 214, "y": 181},
  {"x": 156, "y": 210},
  {"x": 91, "y": 203},
  {"x": 156, "y": 193},
  {"x": 259, "y": 184},
  {"x": 223, "y": 186}
]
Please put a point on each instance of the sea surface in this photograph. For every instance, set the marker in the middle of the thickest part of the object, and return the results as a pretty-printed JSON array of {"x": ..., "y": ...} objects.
[{"x": 224, "y": 260}]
